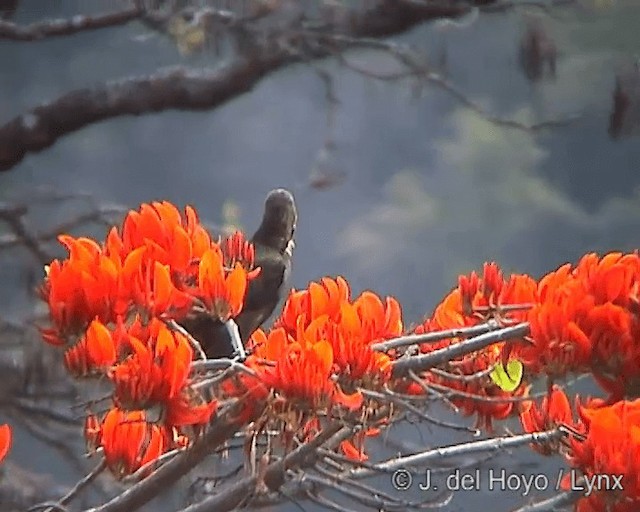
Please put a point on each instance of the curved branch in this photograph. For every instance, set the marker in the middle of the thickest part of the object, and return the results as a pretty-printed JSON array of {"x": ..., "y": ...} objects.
[
  {"x": 174, "y": 88},
  {"x": 179, "y": 88}
]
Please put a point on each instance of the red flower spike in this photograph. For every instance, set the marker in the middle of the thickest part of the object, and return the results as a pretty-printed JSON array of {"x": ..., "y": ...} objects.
[
  {"x": 222, "y": 294},
  {"x": 319, "y": 299},
  {"x": 156, "y": 371},
  {"x": 92, "y": 432},
  {"x": 475, "y": 301},
  {"x": 236, "y": 249}
]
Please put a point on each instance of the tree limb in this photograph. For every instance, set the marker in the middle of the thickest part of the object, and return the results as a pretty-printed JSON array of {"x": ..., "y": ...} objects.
[
  {"x": 223, "y": 427},
  {"x": 179, "y": 88},
  {"x": 65, "y": 27},
  {"x": 174, "y": 88}
]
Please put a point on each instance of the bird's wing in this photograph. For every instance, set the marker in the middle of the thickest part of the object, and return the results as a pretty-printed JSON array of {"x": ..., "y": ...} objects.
[{"x": 264, "y": 292}]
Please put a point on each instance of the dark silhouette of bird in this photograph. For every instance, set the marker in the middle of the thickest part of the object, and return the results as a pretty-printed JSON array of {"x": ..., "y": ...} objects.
[{"x": 273, "y": 242}]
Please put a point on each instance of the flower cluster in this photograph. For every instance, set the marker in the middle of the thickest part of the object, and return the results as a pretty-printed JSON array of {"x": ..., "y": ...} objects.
[
  {"x": 114, "y": 306},
  {"x": 477, "y": 300},
  {"x": 586, "y": 320},
  {"x": 111, "y": 308},
  {"x": 318, "y": 353},
  {"x": 602, "y": 444}
]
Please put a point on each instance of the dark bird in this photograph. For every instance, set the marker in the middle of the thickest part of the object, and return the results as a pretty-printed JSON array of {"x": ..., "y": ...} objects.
[{"x": 273, "y": 242}]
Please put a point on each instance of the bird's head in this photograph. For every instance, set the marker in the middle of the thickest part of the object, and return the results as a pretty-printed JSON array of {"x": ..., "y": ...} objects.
[{"x": 279, "y": 221}]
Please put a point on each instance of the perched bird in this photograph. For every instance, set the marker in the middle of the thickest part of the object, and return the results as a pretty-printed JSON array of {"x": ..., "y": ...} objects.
[{"x": 273, "y": 242}]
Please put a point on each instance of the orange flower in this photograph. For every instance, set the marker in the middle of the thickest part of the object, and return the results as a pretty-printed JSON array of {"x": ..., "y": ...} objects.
[
  {"x": 168, "y": 238},
  {"x": 152, "y": 288},
  {"x": 222, "y": 294},
  {"x": 303, "y": 368},
  {"x": 555, "y": 410},
  {"x": 558, "y": 344},
  {"x": 354, "y": 448},
  {"x": 156, "y": 373},
  {"x": 5, "y": 441},
  {"x": 612, "y": 278},
  {"x": 130, "y": 442},
  {"x": 92, "y": 432},
  {"x": 474, "y": 301},
  {"x": 587, "y": 320},
  {"x": 360, "y": 324},
  {"x": 236, "y": 249},
  {"x": 350, "y": 328},
  {"x": 322, "y": 298},
  {"x": 79, "y": 289},
  {"x": 94, "y": 353},
  {"x": 610, "y": 447}
]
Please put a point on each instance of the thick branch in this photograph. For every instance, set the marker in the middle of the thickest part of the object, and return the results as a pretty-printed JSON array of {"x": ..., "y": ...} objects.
[
  {"x": 175, "y": 88},
  {"x": 234, "y": 496},
  {"x": 164, "y": 477},
  {"x": 193, "y": 90}
]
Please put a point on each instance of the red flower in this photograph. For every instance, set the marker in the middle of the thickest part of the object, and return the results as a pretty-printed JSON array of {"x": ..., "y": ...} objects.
[
  {"x": 222, "y": 294},
  {"x": 167, "y": 237},
  {"x": 349, "y": 327},
  {"x": 474, "y": 301},
  {"x": 555, "y": 410},
  {"x": 79, "y": 289},
  {"x": 303, "y": 369},
  {"x": 587, "y": 320},
  {"x": 236, "y": 249},
  {"x": 130, "y": 442},
  {"x": 322, "y": 298},
  {"x": 156, "y": 374},
  {"x": 361, "y": 324},
  {"x": 5, "y": 441},
  {"x": 94, "y": 353},
  {"x": 610, "y": 447}
]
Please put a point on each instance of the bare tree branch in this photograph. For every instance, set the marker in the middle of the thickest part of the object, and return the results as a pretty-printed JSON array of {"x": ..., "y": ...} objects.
[
  {"x": 426, "y": 361},
  {"x": 274, "y": 475},
  {"x": 456, "y": 450},
  {"x": 65, "y": 27},
  {"x": 178, "y": 88},
  {"x": 175, "y": 88}
]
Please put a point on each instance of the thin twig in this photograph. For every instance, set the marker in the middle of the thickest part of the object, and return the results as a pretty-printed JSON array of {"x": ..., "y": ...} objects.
[
  {"x": 487, "y": 445},
  {"x": 425, "y": 361},
  {"x": 65, "y": 27},
  {"x": 430, "y": 337},
  {"x": 82, "y": 483}
]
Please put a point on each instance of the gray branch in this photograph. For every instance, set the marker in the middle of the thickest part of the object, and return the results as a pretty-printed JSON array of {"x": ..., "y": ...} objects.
[{"x": 179, "y": 88}]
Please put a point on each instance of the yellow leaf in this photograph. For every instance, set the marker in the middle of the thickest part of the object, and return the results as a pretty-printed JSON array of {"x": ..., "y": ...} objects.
[{"x": 509, "y": 378}]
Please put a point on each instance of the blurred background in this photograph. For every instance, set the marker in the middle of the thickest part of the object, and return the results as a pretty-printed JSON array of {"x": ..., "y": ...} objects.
[{"x": 400, "y": 187}]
